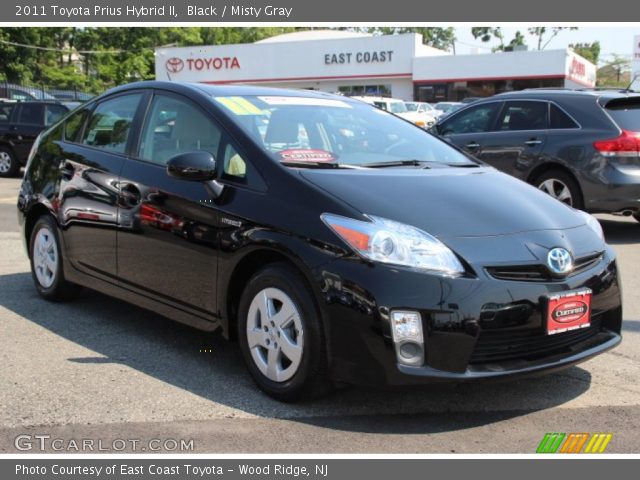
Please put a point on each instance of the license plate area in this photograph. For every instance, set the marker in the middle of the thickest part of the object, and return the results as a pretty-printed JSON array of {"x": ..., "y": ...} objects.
[{"x": 567, "y": 311}]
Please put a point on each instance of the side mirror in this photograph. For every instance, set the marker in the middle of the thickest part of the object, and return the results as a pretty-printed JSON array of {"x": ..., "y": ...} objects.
[{"x": 197, "y": 166}]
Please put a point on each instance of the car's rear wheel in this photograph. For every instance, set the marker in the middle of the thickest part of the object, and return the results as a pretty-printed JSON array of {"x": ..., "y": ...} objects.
[
  {"x": 46, "y": 262},
  {"x": 9, "y": 166},
  {"x": 281, "y": 335},
  {"x": 561, "y": 186}
]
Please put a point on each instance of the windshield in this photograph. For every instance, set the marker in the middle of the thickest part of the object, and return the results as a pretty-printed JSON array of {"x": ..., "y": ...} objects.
[
  {"x": 412, "y": 107},
  {"x": 310, "y": 129}
]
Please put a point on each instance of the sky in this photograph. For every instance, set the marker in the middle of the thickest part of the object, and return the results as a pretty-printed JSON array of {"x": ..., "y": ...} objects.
[{"x": 618, "y": 40}]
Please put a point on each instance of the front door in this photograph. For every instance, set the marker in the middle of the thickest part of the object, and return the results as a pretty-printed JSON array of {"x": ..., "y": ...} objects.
[{"x": 167, "y": 236}]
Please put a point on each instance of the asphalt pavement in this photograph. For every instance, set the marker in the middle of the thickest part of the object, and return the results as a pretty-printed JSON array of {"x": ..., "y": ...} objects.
[{"x": 101, "y": 369}]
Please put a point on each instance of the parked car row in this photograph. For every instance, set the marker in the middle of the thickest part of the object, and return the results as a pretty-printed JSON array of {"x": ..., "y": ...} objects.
[{"x": 336, "y": 242}]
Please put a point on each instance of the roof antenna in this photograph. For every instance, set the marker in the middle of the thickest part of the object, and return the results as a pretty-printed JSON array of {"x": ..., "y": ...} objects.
[{"x": 635, "y": 77}]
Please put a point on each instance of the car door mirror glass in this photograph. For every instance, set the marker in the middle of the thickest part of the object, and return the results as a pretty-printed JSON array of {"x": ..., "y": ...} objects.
[{"x": 196, "y": 166}]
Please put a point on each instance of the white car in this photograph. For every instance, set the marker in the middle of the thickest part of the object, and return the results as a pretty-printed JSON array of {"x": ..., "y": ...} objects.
[{"x": 399, "y": 107}]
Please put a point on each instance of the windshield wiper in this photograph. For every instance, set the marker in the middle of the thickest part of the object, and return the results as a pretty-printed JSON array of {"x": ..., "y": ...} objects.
[
  {"x": 418, "y": 163},
  {"x": 397, "y": 163},
  {"x": 325, "y": 165}
]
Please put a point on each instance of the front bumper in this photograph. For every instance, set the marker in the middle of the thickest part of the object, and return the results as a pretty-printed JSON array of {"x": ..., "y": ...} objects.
[{"x": 461, "y": 341}]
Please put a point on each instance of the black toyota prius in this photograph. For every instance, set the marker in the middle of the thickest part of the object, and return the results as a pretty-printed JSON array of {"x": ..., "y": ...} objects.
[{"x": 334, "y": 241}]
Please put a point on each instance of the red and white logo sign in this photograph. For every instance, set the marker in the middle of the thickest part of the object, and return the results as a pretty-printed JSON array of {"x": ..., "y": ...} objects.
[
  {"x": 568, "y": 311},
  {"x": 174, "y": 65}
]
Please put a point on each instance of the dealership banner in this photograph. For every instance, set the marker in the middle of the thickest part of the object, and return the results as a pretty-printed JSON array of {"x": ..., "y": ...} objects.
[
  {"x": 289, "y": 468},
  {"x": 267, "y": 11}
]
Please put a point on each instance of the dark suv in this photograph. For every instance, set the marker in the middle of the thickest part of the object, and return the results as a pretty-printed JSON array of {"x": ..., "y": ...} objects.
[
  {"x": 20, "y": 124},
  {"x": 582, "y": 147}
]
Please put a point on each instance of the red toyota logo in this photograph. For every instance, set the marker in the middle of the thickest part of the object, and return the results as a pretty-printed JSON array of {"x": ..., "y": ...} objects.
[{"x": 174, "y": 65}]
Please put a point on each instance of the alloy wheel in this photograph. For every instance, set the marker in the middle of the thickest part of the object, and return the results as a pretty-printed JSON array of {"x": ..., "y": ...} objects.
[
  {"x": 557, "y": 189},
  {"x": 5, "y": 162},
  {"x": 45, "y": 257},
  {"x": 275, "y": 334}
]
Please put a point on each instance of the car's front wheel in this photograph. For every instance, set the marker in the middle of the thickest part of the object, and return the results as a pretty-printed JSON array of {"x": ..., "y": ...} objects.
[
  {"x": 9, "y": 166},
  {"x": 281, "y": 335},
  {"x": 46, "y": 262}
]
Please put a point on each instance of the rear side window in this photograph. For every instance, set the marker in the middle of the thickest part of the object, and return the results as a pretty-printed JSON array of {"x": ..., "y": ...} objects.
[
  {"x": 626, "y": 114},
  {"x": 73, "y": 125},
  {"x": 110, "y": 123},
  {"x": 31, "y": 113},
  {"x": 518, "y": 116},
  {"x": 559, "y": 119}
]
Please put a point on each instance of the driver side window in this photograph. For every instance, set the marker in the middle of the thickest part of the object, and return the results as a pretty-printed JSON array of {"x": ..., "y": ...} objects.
[
  {"x": 477, "y": 119},
  {"x": 176, "y": 126}
]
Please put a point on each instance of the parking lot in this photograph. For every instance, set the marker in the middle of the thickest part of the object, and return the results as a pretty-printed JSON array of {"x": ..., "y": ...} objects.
[{"x": 102, "y": 369}]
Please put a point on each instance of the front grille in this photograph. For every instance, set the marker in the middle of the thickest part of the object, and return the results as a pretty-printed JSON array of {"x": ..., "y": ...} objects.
[
  {"x": 540, "y": 273},
  {"x": 498, "y": 346}
]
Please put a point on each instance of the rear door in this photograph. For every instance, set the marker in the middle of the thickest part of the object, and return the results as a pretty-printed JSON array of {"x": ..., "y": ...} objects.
[
  {"x": 94, "y": 147},
  {"x": 518, "y": 138}
]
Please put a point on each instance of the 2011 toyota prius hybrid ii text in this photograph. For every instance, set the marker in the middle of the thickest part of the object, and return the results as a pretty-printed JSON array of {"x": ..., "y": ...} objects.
[{"x": 334, "y": 241}]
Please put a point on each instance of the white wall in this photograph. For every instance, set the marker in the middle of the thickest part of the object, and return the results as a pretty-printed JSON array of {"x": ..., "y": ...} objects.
[
  {"x": 491, "y": 66},
  {"x": 635, "y": 63}
]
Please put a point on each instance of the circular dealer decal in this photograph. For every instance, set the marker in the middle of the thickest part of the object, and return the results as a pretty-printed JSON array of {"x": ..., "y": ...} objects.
[{"x": 306, "y": 155}]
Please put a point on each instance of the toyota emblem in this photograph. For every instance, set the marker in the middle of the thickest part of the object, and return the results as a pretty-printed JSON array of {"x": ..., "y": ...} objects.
[
  {"x": 559, "y": 261},
  {"x": 174, "y": 65}
]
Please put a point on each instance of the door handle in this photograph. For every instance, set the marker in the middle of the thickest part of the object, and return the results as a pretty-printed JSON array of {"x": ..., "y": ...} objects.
[
  {"x": 67, "y": 170},
  {"x": 533, "y": 142},
  {"x": 472, "y": 145},
  {"x": 130, "y": 195}
]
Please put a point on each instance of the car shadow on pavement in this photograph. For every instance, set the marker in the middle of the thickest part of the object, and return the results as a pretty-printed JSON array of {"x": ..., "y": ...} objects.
[{"x": 206, "y": 365}]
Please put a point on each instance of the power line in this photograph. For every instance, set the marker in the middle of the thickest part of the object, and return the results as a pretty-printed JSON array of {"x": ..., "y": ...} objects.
[{"x": 63, "y": 50}]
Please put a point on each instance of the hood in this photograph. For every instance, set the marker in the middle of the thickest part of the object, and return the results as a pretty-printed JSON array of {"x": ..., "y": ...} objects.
[{"x": 448, "y": 202}]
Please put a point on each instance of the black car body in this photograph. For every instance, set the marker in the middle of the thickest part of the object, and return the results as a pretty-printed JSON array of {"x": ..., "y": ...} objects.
[
  {"x": 583, "y": 147},
  {"x": 20, "y": 124},
  {"x": 375, "y": 299}
]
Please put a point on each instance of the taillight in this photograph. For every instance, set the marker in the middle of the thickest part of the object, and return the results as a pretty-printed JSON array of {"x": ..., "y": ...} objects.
[{"x": 625, "y": 145}]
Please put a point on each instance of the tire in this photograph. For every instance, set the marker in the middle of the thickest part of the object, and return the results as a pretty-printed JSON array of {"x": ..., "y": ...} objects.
[
  {"x": 45, "y": 255},
  {"x": 561, "y": 186},
  {"x": 9, "y": 166},
  {"x": 297, "y": 371}
]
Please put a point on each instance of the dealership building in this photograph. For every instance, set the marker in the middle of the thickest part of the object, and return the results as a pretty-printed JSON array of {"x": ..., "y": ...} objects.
[{"x": 359, "y": 64}]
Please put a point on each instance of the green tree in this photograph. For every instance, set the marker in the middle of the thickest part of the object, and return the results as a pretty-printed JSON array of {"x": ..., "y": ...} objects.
[
  {"x": 616, "y": 72},
  {"x": 486, "y": 34},
  {"x": 549, "y": 34},
  {"x": 589, "y": 51}
]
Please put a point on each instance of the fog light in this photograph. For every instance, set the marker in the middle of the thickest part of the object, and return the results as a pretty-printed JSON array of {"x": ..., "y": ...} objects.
[{"x": 406, "y": 328}]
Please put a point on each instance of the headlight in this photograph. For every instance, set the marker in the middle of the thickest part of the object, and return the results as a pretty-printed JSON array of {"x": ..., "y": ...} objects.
[
  {"x": 593, "y": 223},
  {"x": 386, "y": 241}
]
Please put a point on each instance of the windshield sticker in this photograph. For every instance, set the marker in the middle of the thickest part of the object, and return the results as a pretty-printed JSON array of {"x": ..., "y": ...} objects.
[
  {"x": 239, "y": 105},
  {"x": 305, "y": 101},
  {"x": 306, "y": 155}
]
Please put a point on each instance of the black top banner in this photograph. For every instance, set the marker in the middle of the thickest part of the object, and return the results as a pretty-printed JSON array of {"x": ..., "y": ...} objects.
[{"x": 267, "y": 11}]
